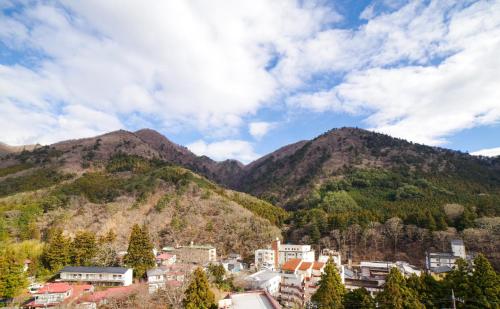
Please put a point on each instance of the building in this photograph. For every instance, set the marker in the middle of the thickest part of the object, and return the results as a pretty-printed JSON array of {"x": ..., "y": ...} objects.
[
  {"x": 232, "y": 266},
  {"x": 250, "y": 299},
  {"x": 98, "y": 298},
  {"x": 196, "y": 254},
  {"x": 442, "y": 262},
  {"x": 372, "y": 286},
  {"x": 266, "y": 280},
  {"x": 171, "y": 275},
  {"x": 107, "y": 276},
  {"x": 279, "y": 254},
  {"x": 57, "y": 294},
  {"x": 378, "y": 270},
  {"x": 165, "y": 258},
  {"x": 327, "y": 254},
  {"x": 266, "y": 259}
]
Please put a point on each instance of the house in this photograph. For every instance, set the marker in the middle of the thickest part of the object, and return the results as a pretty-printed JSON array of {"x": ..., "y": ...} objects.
[
  {"x": 196, "y": 254},
  {"x": 442, "y": 262},
  {"x": 165, "y": 259},
  {"x": 372, "y": 286},
  {"x": 172, "y": 275},
  {"x": 58, "y": 293},
  {"x": 250, "y": 299},
  {"x": 232, "y": 266},
  {"x": 279, "y": 253},
  {"x": 107, "y": 276},
  {"x": 266, "y": 280}
]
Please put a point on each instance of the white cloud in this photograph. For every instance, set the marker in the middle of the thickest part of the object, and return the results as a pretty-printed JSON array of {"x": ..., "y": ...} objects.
[
  {"x": 420, "y": 101},
  {"x": 189, "y": 64},
  {"x": 489, "y": 152},
  {"x": 260, "y": 128},
  {"x": 221, "y": 150}
]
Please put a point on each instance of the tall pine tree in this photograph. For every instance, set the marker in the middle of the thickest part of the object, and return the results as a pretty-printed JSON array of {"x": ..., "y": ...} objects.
[
  {"x": 396, "y": 295},
  {"x": 56, "y": 253},
  {"x": 198, "y": 294},
  {"x": 331, "y": 290},
  {"x": 484, "y": 287},
  {"x": 83, "y": 248},
  {"x": 140, "y": 251}
]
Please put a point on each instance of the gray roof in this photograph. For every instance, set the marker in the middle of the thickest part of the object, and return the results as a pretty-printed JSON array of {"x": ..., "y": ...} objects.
[
  {"x": 457, "y": 242},
  {"x": 94, "y": 270},
  {"x": 441, "y": 269},
  {"x": 263, "y": 275},
  {"x": 156, "y": 272}
]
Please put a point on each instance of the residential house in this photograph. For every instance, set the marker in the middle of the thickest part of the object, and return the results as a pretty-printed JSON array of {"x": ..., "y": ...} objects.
[
  {"x": 58, "y": 293},
  {"x": 102, "y": 297},
  {"x": 250, "y": 299},
  {"x": 171, "y": 275},
  {"x": 165, "y": 258},
  {"x": 442, "y": 262},
  {"x": 107, "y": 276},
  {"x": 327, "y": 254},
  {"x": 266, "y": 280},
  {"x": 232, "y": 266}
]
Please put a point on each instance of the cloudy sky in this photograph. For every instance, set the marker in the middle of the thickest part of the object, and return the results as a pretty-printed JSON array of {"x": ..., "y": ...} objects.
[{"x": 238, "y": 78}]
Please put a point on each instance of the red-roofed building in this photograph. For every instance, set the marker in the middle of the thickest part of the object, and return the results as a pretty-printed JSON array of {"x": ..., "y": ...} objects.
[
  {"x": 165, "y": 259},
  {"x": 58, "y": 293}
]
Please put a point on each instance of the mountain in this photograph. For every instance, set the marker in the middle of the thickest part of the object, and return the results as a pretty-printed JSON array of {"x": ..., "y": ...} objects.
[
  {"x": 337, "y": 188},
  {"x": 287, "y": 175},
  {"x": 6, "y": 149},
  {"x": 115, "y": 180}
]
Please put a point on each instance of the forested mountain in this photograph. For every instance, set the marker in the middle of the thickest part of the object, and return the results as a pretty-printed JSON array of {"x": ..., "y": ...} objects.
[{"x": 338, "y": 188}]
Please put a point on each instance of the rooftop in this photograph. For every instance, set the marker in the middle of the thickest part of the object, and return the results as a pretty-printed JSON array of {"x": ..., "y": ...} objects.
[
  {"x": 305, "y": 265},
  {"x": 252, "y": 299},
  {"x": 94, "y": 270},
  {"x": 263, "y": 275},
  {"x": 57, "y": 287},
  {"x": 165, "y": 256},
  {"x": 318, "y": 265},
  {"x": 291, "y": 264}
]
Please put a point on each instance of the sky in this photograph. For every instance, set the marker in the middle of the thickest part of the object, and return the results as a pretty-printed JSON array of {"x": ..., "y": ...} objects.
[{"x": 238, "y": 79}]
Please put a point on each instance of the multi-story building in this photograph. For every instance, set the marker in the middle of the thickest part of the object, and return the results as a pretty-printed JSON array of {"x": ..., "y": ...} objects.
[
  {"x": 327, "y": 254},
  {"x": 279, "y": 254},
  {"x": 107, "y": 276},
  {"x": 266, "y": 259},
  {"x": 265, "y": 280},
  {"x": 378, "y": 270},
  {"x": 440, "y": 262},
  {"x": 196, "y": 254}
]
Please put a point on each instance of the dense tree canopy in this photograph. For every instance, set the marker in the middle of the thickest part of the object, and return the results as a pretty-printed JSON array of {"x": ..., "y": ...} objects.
[
  {"x": 140, "y": 251},
  {"x": 331, "y": 290},
  {"x": 198, "y": 294}
]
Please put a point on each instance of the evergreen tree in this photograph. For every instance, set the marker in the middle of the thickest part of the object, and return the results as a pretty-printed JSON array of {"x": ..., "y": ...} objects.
[
  {"x": 217, "y": 272},
  {"x": 198, "y": 294},
  {"x": 331, "y": 290},
  {"x": 359, "y": 299},
  {"x": 56, "y": 253},
  {"x": 140, "y": 251},
  {"x": 396, "y": 295},
  {"x": 430, "y": 292},
  {"x": 12, "y": 276},
  {"x": 83, "y": 248},
  {"x": 484, "y": 285},
  {"x": 459, "y": 280}
]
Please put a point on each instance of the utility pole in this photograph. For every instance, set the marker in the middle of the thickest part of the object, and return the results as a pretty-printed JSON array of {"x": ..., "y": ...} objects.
[{"x": 454, "y": 305}]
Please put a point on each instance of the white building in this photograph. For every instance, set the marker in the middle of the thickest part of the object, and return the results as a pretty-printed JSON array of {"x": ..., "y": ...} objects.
[
  {"x": 265, "y": 280},
  {"x": 265, "y": 259},
  {"x": 441, "y": 262},
  {"x": 108, "y": 276},
  {"x": 379, "y": 270},
  {"x": 327, "y": 254},
  {"x": 58, "y": 294},
  {"x": 172, "y": 275},
  {"x": 279, "y": 254}
]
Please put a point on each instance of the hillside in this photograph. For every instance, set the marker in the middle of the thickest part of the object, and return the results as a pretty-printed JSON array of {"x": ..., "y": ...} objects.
[
  {"x": 40, "y": 194},
  {"x": 342, "y": 182}
]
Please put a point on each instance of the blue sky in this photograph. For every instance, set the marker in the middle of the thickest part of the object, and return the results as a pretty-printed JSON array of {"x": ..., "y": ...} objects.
[{"x": 238, "y": 79}]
